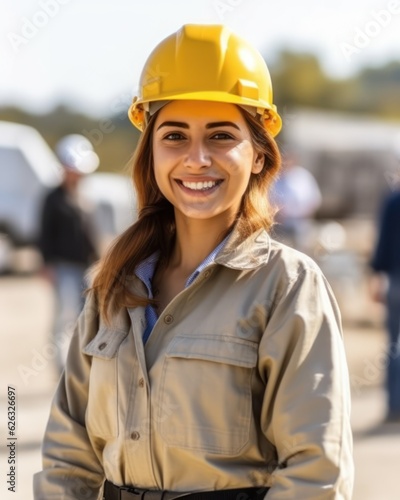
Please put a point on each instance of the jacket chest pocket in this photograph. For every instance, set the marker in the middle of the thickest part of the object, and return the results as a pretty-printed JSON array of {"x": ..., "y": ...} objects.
[
  {"x": 205, "y": 393},
  {"x": 102, "y": 406}
]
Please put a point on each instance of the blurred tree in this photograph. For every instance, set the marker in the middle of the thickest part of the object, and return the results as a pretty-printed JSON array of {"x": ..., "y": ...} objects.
[
  {"x": 299, "y": 80},
  {"x": 383, "y": 85}
]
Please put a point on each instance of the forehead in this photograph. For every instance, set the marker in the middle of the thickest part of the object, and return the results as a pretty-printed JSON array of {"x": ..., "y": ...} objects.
[{"x": 200, "y": 111}]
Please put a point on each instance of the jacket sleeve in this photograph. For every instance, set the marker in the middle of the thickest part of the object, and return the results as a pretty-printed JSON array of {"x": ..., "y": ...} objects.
[
  {"x": 71, "y": 469},
  {"x": 306, "y": 408}
]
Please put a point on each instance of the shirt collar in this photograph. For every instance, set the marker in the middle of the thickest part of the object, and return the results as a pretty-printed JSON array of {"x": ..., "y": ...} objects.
[
  {"x": 245, "y": 253},
  {"x": 145, "y": 270}
]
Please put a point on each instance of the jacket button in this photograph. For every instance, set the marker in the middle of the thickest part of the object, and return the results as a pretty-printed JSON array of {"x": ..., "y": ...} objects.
[
  {"x": 135, "y": 436},
  {"x": 141, "y": 382},
  {"x": 207, "y": 274},
  {"x": 168, "y": 319},
  {"x": 102, "y": 346}
]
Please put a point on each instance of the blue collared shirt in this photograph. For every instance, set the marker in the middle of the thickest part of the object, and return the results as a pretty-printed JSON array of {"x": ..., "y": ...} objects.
[{"x": 145, "y": 272}]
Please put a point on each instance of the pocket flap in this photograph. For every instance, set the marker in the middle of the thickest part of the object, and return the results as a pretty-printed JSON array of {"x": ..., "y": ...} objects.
[
  {"x": 217, "y": 348},
  {"x": 106, "y": 343}
]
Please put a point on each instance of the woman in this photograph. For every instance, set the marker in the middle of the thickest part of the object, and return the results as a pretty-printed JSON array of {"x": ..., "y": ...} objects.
[{"x": 209, "y": 357}]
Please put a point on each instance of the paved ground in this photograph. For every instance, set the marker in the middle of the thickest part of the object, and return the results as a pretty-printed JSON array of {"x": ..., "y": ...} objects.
[{"x": 25, "y": 363}]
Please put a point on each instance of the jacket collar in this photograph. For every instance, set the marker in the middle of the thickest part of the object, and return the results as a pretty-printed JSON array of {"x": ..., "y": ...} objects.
[{"x": 248, "y": 253}]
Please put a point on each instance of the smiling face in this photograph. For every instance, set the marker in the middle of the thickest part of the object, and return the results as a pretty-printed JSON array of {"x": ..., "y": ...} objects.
[{"x": 203, "y": 158}]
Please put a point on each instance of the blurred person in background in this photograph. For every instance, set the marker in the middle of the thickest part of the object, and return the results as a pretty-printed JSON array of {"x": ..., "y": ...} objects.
[
  {"x": 66, "y": 241},
  {"x": 208, "y": 362},
  {"x": 385, "y": 288},
  {"x": 297, "y": 197}
]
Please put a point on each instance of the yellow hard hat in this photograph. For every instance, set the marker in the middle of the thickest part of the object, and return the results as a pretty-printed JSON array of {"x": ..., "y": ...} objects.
[{"x": 207, "y": 63}]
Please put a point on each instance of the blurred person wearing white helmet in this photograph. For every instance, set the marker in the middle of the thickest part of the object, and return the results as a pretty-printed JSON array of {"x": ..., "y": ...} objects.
[{"x": 67, "y": 242}]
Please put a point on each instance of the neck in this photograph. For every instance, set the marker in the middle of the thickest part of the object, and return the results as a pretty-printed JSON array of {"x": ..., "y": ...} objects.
[{"x": 195, "y": 239}]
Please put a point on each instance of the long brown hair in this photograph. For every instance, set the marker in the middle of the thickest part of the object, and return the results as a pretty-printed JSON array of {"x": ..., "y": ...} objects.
[{"x": 155, "y": 228}]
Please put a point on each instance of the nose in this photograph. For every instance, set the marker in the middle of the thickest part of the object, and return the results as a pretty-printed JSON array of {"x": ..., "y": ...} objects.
[{"x": 198, "y": 155}]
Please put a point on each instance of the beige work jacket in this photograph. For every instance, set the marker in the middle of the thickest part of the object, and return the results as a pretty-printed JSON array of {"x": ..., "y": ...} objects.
[{"x": 243, "y": 382}]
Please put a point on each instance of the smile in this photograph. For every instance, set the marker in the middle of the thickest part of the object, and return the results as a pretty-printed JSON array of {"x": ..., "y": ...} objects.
[{"x": 200, "y": 186}]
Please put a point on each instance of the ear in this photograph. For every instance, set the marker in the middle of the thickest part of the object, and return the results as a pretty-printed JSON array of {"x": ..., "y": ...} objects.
[{"x": 258, "y": 163}]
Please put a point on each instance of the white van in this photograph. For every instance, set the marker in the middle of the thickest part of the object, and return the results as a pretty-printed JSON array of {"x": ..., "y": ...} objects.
[{"x": 28, "y": 170}]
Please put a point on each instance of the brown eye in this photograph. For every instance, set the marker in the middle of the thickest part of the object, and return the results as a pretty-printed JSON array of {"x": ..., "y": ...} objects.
[
  {"x": 174, "y": 136},
  {"x": 221, "y": 136}
]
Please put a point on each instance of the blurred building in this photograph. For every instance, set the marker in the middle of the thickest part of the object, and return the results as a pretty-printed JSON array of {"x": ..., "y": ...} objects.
[
  {"x": 355, "y": 162},
  {"x": 353, "y": 159}
]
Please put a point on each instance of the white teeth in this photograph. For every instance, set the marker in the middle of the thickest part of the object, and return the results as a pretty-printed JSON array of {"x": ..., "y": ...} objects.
[{"x": 197, "y": 186}]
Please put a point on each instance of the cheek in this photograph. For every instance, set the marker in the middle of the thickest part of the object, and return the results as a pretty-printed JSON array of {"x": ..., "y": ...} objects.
[
  {"x": 239, "y": 161},
  {"x": 160, "y": 165},
  {"x": 162, "y": 170},
  {"x": 161, "y": 180},
  {"x": 157, "y": 170}
]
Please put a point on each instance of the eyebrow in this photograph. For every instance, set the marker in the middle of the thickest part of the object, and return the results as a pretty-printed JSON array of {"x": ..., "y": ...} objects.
[
  {"x": 222, "y": 124},
  {"x": 209, "y": 125},
  {"x": 173, "y": 124}
]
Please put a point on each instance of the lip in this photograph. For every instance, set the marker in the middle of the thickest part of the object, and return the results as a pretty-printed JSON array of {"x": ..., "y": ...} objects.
[{"x": 198, "y": 179}]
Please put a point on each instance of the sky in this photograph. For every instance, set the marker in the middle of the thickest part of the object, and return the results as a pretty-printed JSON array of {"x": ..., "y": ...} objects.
[{"x": 89, "y": 54}]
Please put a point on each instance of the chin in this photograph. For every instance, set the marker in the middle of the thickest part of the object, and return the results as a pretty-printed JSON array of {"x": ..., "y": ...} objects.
[{"x": 200, "y": 215}]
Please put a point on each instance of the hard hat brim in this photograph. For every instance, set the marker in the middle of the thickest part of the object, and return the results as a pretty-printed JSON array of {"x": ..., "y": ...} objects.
[{"x": 272, "y": 120}]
